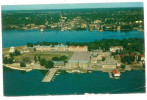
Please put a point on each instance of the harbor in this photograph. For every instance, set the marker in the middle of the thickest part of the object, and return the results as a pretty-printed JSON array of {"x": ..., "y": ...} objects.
[
  {"x": 96, "y": 82},
  {"x": 50, "y": 74}
]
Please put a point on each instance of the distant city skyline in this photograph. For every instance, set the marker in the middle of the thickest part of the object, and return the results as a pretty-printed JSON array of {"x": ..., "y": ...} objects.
[{"x": 72, "y": 6}]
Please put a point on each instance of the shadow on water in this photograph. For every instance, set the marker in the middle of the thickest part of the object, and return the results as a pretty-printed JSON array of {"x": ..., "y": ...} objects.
[
  {"x": 63, "y": 71},
  {"x": 43, "y": 72},
  {"x": 23, "y": 72},
  {"x": 5, "y": 69}
]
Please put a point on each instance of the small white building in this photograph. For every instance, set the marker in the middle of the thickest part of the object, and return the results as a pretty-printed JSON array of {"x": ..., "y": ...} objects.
[
  {"x": 114, "y": 48},
  {"x": 12, "y": 50}
]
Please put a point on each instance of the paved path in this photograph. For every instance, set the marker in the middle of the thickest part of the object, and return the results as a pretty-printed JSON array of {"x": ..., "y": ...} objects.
[{"x": 48, "y": 77}]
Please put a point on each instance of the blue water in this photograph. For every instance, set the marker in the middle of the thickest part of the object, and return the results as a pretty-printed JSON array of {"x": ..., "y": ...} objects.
[
  {"x": 17, "y": 38},
  {"x": 18, "y": 83}
]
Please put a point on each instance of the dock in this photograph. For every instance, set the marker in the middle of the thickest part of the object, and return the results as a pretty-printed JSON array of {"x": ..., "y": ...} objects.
[
  {"x": 110, "y": 74},
  {"x": 48, "y": 77}
]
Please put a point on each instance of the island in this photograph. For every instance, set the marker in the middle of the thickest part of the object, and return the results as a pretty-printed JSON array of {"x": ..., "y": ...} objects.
[{"x": 108, "y": 55}]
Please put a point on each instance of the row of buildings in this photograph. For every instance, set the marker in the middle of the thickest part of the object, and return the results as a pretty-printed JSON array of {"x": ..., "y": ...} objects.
[
  {"x": 61, "y": 47},
  {"x": 85, "y": 60}
]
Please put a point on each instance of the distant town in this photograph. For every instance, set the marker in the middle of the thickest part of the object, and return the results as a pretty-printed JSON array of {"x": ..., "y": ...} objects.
[
  {"x": 120, "y": 19},
  {"x": 115, "y": 58}
]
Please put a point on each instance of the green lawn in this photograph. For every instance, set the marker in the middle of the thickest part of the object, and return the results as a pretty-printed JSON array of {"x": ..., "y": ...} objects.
[{"x": 43, "y": 54}]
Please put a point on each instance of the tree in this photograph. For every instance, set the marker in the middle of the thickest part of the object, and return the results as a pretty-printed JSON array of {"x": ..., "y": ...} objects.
[
  {"x": 139, "y": 58},
  {"x": 129, "y": 62},
  {"x": 116, "y": 52},
  {"x": 123, "y": 60},
  {"x": 39, "y": 58},
  {"x": 22, "y": 64},
  {"x": 63, "y": 58},
  {"x": 133, "y": 58},
  {"x": 35, "y": 58},
  {"x": 34, "y": 49},
  {"x": 143, "y": 65},
  {"x": 129, "y": 59},
  {"x": 16, "y": 53},
  {"x": 123, "y": 66},
  {"x": 56, "y": 58},
  {"x": 103, "y": 59},
  {"x": 49, "y": 64},
  {"x": 5, "y": 60},
  {"x": 42, "y": 62},
  {"x": 11, "y": 54},
  {"x": 29, "y": 44},
  {"x": 10, "y": 60}
]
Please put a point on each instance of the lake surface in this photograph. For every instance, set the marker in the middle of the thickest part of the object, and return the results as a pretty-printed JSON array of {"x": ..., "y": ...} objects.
[
  {"x": 19, "y": 83},
  {"x": 17, "y": 38}
]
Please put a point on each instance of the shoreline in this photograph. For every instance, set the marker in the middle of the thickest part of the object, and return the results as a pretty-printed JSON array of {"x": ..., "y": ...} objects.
[
  {"x": 28, "y": 69},
  {"x": 75, "y": 30}
]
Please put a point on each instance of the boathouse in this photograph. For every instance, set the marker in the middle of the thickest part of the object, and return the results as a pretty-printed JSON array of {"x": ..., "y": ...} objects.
[{"x": 115, "y": 72}]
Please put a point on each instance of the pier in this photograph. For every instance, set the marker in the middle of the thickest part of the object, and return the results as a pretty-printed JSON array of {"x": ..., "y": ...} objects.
[
  {"x": 48, "y": 77},
  {"x": 110, "y": 74}
]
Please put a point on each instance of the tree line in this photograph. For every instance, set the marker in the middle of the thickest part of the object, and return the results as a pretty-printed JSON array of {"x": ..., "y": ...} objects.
[
  {"x": 7, "y": 60},
  {"x": 15, "y": 53},
  {"x": 130, "y": 45}
]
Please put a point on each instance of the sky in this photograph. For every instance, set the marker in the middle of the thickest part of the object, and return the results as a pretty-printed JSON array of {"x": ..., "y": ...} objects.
[{"x": 71, "y": 6}]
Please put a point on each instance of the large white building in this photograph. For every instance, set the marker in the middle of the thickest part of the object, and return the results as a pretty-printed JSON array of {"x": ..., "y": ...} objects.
[
  {"x": 12, "y": 50},
  {"x": 114, "y": 48},
  {"x": 79, "y": 60}
]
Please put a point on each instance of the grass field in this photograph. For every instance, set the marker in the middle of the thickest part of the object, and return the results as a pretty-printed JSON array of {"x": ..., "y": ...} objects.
[{"x": 43, "y": 54}]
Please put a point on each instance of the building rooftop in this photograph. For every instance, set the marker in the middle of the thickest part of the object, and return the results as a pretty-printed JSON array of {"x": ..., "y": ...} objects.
[
  {"x": 110, "y": 61},
  {"x": 116, "y": 46},
  {"x": 58, "y": 62},
  {"x": 59, "y": 45},
  {"x": 115, "y": 71},
  {"x": 80, "y": 57}
]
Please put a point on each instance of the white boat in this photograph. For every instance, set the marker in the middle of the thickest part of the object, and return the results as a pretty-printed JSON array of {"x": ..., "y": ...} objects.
[
  {"x": 75, "y": 71},
  {"x": 41, "y": 30}
]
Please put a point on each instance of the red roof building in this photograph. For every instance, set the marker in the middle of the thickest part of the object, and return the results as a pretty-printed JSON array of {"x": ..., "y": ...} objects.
[
  {"x": 122, "y": 55},
  {"x": 116, "y": 72},
  {"x": 132, "y": 54}
]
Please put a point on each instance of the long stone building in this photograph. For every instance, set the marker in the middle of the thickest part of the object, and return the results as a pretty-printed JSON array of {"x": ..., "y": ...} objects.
[{"x": 61, "y": 47}]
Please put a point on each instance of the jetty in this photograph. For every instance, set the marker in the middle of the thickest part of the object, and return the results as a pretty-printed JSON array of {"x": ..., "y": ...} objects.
[
  {"x": 48, "y": 77},
  {"x": 110, "y": 74}
]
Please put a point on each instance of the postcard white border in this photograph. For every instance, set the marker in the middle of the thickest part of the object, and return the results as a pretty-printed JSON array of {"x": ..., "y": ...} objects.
[{"x": 69, "y": 97}]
